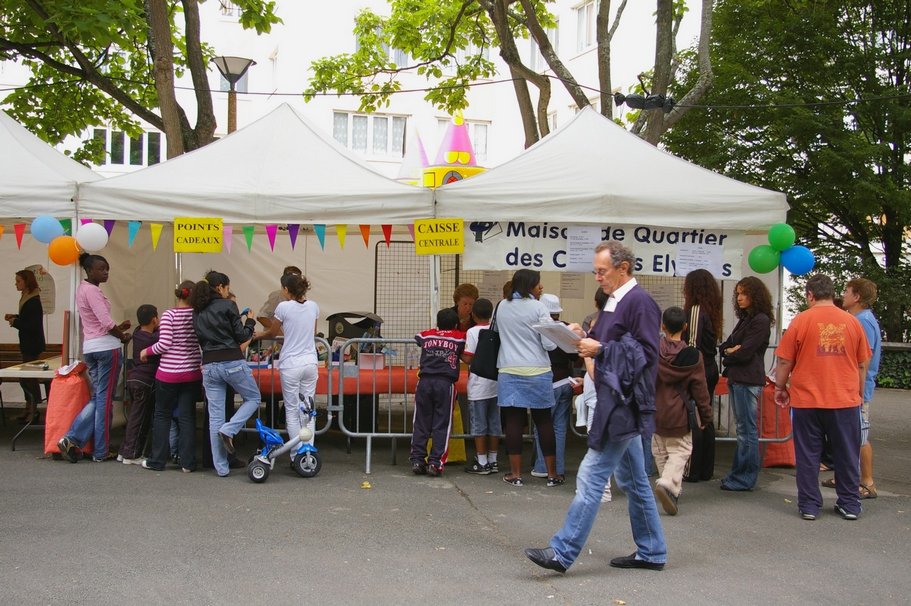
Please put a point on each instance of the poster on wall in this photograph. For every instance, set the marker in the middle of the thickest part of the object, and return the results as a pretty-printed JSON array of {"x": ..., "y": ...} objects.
[
  {"x": 545, "y": 247},
  {"x": 198, "y": 235}
]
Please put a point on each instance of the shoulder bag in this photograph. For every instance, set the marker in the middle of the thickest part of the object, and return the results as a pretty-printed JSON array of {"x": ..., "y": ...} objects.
[{"x": 484, "y": 361}]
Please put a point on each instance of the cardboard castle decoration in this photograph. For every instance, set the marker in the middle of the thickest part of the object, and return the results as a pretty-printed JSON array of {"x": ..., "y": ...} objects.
[{"x": 455, "y": 159}]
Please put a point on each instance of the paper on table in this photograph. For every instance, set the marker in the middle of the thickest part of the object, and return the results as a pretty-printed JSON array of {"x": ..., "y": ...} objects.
[{"x": 560, "y": 334}]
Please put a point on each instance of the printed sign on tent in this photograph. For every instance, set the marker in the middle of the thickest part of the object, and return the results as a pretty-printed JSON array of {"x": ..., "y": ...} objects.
[
  {"x": 439, "y": 237},
  {"x": 198, "y": 234}
]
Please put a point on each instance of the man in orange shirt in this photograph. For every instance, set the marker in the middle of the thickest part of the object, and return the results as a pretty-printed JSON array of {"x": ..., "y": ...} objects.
[{"x": 825, "y": 353}]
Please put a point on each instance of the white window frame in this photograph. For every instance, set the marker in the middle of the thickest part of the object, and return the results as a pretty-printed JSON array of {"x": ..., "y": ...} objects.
[
  {"x": 536, "y": 60},
  {"x": 586, "y": 25},
  {"x": 143, "y": 142},
  {"x": 390, "y": 150},
  {"x": 479, "y": 145}
]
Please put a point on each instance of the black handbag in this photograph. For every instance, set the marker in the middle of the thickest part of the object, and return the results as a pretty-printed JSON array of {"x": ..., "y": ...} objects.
[{"x": 484, "y": 361}]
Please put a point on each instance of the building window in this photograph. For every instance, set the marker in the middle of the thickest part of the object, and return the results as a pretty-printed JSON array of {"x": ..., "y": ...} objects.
[
  {"x": 552, "y": 121},
  {"x": 225, "y": 86},
  {"x": 586, "y": 15},
  {"x": 477, "y": 131},
  {"x": 536, "y": 61},
  {"x": 395, "y": 55},
  {"x": 383, "y": 135},
  {"x": 144, "y": 150},
  {"x": 228, "y": 9},
  {"x": 117, "y": 147}
]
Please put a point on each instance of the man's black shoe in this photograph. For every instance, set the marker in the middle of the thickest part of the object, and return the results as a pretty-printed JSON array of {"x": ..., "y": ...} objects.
[
  {"x": 630, "y": 561},
  {"x": 419, "y": 468},
  {"x": 228, "y": 441},
  {"x": 545, "y": 558}
]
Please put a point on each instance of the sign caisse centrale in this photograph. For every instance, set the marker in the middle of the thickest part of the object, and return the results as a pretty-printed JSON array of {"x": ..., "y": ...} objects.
[
  {"x": 439, "y": 236},
  {"x": 198, "y": 234}
]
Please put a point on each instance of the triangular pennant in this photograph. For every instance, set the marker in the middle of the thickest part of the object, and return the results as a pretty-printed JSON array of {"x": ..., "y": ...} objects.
[
  {"x": 156, "y": 233},
  {"x": 84, "y": 221},
  {"x": 411, "y": 231},
  {"x": 20, "y": 231},
  {"x": 67, "y": 225},
  {"x": 133, "y": 227},
  {"x": 341, "y": 231},
  {"x": 1, "y": 231},
  {"x": 365, "y": 234},
  {"x": 228, "y": 231},
  {"x": 387, "y": 234},
  {"x": 271, "y": 231},
  {"x": 109, "y": 226},
  {"x": 293, "y": 229},
  {"x": 248, "y": 236},
  {"x": 320, "y": 235}
]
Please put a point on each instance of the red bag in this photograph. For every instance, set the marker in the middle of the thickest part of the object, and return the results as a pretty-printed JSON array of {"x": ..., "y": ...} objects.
[
  {"x": 68, "y": 396},
  {"x": 777, "y": 454}
]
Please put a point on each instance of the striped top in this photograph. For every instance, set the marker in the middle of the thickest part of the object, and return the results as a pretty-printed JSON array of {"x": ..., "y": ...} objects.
[{"x": 181, "y": 360}]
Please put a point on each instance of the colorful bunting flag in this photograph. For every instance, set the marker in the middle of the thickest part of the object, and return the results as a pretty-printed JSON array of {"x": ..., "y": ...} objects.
[
  {"x": 341, "y": 231},
  {"x": 1, "y": 231},
  {"x": 133, "y": 229},
  {"x": 109, "y": 226},
  {"x": 228, "y": 231},
  {"x": 156, "y": 233},
  {"x": 387, "y": 234},
  {"x": 67, "y": 225},
  {"x": 84, "y": 221},
  {"x": 411, "y": 231},
  {"x": 271, "y": 229},
  {"x": 365, "y": 234},
  {"x": 248, "y": 235},
  {"x": 20, "y": 231},
  {"x": 320, "y": 235},
  {"x": 293, "y": 229}
]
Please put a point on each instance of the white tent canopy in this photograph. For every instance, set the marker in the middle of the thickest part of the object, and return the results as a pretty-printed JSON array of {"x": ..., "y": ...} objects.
[
  {"x": 35, "y": 178},
  {"x": 279, "y": 169},
  {"x": 593, "y": 171}
]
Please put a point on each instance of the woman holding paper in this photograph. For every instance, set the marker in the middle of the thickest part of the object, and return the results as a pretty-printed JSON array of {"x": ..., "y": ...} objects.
[
  {"x": 525, "y": 380},
  {"x": 29, "y": 321}
]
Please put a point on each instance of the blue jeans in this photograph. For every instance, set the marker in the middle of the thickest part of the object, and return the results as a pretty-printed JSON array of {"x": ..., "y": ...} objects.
[
  {"x": 563, "y": 401},
  {"x": 624, "y": 460},
  {"x": 745, "y": 468},
  {"x": 94, "y": 421},
  {"x": 216, "y": 377}
]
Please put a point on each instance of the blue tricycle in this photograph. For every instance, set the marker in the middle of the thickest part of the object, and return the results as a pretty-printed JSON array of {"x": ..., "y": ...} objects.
[{"x": 306, "y": 461}]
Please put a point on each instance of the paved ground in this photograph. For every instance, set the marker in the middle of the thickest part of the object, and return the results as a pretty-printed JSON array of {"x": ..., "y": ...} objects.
[{"x": 116, "y": 534}]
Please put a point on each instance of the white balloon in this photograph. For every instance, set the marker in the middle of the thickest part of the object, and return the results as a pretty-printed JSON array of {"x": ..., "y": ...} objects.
[
  {"x": 92, "y": 237},
  {"x": 305, "y": 434}
]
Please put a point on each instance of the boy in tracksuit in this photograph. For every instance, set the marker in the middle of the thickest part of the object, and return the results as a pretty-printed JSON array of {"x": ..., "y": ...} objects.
[
  {"x": 434, "y": 397},
  {"x": 680, "y": 374}
]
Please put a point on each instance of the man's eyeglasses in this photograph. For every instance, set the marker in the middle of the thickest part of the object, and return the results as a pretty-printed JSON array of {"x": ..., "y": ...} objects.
[{"x": 599, "y": 272}]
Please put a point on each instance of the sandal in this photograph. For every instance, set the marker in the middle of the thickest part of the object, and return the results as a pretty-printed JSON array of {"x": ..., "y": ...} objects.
[
  {"x": 514, "y": 480},
  {"x": 867, "y": 492},
  {"x": 555, "y": 481},
  {"x": 830, "y": 483},
  {"x": 824, "y": 467}
]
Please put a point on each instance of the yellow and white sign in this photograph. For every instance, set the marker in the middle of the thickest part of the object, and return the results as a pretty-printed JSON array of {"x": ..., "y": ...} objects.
[
  {"x": 198, "y": 234},
  {"x": 439, "y": 237}
]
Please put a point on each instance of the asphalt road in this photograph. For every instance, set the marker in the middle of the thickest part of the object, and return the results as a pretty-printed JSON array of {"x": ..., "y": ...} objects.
[{"x": 107, "y": 533}]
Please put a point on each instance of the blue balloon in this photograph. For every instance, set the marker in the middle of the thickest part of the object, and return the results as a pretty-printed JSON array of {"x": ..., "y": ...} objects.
[
  {"x": 798, "y": 260},
  {"x": 45, "y": 228}
]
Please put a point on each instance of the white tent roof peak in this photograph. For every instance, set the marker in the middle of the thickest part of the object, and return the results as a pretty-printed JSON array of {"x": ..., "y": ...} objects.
[
  {"x": 591, "y": 170},
  {"x": 35, "y": 178},
  {"x": 278, "y": 169}
]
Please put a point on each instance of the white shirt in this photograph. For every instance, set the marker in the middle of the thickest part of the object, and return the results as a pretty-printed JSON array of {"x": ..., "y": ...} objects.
[
  {"x": 479, "y": 388},
  {"x": 618, "y": 294},
  {"x": 298, "y": 323}
]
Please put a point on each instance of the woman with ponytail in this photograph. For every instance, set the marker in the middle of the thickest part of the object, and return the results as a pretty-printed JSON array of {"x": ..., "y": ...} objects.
[
  {"x": 177, "y": 383},
  {"x": 298, "y": 365},
  {"x": 102, "y": 351},
  {"x": 221, "y": 330}
]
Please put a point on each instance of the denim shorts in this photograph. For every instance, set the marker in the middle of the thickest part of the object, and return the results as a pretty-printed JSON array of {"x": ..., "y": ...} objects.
[
  {"x": 521, "y": 391},
  {"x": 485, "y": 417}
]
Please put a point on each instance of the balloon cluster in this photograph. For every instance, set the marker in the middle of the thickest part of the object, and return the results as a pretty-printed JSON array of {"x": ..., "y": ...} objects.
[
  {"x": 63, "y": 249},
  {"x": 798, "y": 260}
]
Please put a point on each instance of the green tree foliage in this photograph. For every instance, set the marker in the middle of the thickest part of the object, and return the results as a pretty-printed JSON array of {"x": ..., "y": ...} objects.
[
  {"x": 812, "y": 98},
  {"x": 447, "y": 39},
  {"x": 91, "y": 63}
]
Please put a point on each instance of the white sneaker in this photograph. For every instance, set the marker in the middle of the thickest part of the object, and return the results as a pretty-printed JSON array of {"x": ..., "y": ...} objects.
[
  {"x": 539, "y": 474},
  {"x": 606, "y": 497},
  {"x": 126, "y": 461},
  {"x": 120, "y": 458}
]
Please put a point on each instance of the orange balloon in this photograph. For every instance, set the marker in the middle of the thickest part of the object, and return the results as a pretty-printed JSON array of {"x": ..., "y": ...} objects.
[{"x": 63, "y": 250}]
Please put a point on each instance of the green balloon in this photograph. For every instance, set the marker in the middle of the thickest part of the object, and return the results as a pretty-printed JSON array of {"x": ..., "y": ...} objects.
[
  {"x": 781, "y": 236},
  {"x": 764, "y": 259}
]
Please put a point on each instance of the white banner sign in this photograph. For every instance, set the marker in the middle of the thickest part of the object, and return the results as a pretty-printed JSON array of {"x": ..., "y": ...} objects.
[{"x": 553, "y": 247}]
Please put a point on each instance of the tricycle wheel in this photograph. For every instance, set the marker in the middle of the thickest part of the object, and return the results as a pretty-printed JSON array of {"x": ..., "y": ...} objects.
[
  {"x": 307, "y": 464},
  {"x": 258, "y": 472}
]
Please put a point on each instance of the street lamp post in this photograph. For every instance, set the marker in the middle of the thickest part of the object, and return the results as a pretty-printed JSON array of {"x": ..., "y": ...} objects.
[{"x": 232, "y": 69}]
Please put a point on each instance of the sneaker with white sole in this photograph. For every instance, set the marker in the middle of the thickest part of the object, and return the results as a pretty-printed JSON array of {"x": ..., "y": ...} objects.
[
  {"x": 68, "y": 449},
  {"x": 126, "y": 461},
  {"x": 538, "y": 474},
  {"x": 494, "y": 467},
  {"x": 844, "y": 513},
  {"x": 606, "y": 496},
  {"x": 478, "y": 469}
]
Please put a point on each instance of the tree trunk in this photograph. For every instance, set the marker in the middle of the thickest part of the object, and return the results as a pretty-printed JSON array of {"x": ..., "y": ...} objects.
[
  {"x": 162, "y": 50},
  {"x": 510, "y": 55},
  {"x": 204, "y": 132}
]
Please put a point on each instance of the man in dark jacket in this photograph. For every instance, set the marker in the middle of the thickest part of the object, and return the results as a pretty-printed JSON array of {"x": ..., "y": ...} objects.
[{"x": 628, "y": 326}]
